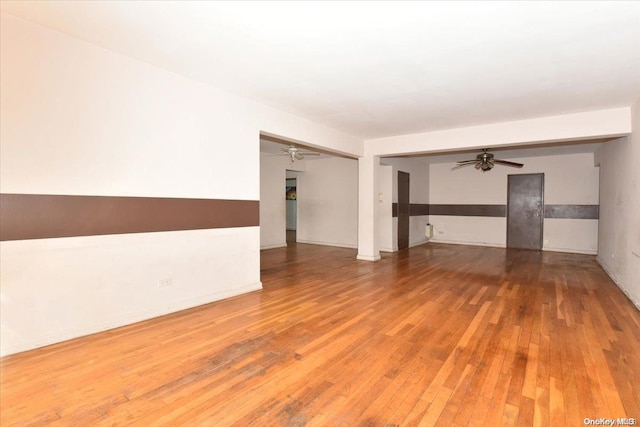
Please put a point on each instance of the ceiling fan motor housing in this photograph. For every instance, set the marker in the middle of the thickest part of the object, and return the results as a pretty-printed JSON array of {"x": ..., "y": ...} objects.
[{"x": 485, "y": 162}]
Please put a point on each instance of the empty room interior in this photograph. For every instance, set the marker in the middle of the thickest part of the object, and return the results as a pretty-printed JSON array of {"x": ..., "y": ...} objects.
[{"x": 319, "y": 213}]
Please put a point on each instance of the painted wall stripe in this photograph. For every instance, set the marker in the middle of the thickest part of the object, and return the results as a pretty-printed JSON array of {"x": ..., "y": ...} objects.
[
  {"x": 418, "y": 209},
  {"x": 572, "y": 211},
  {"x": 499, "y": 211},
  {"x": 38, "y": 216},
  {"x": 469, "y": 210}
]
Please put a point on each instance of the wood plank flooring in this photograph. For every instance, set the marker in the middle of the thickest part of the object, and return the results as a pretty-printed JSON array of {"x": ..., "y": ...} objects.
[{"x": 435, "y": 335}]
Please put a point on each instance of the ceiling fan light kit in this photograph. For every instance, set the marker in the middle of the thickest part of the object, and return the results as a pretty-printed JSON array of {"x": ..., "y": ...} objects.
[
  {"x": 485, "y": 162},
  {"x": 295, "y": 153}
]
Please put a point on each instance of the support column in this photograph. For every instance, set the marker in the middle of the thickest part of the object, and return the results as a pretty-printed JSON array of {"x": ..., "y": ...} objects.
[{"x": 368, "y": 208}]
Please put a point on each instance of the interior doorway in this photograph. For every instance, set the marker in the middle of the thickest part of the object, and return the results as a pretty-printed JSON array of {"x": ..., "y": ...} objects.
[
  {"x": 525, "y": 211},
  {"x": 403, "y": 210},
  {"x": 291, "y": 200}
]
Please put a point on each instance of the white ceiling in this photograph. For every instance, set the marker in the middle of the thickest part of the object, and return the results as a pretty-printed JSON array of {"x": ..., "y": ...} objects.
[
  {"x": 375, "y": 69},
  {"x": 557, "y": 149},
  {"x": 274, "y": 148}
]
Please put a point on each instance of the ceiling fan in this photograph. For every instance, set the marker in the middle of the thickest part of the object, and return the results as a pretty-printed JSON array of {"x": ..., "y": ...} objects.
[
  {"x": 295, "y": 153},
  {"x": 485, "y": 162}
]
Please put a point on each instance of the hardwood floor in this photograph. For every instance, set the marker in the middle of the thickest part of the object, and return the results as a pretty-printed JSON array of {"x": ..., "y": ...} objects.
[{"x": 436, "y": 335}]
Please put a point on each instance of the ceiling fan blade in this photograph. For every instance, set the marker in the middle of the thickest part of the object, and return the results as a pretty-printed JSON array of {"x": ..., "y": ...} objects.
[
  {"x": 507, "y": 163},
  {"x": 461, "y": 166},
  {"x": 308, "y": 153},
  {"x": 485, "y": 162},
  {"x": 299, "y": 156}
]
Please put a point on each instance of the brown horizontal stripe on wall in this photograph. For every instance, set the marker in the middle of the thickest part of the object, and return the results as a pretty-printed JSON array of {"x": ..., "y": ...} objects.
[
  {"x": 572, "y": 211},
  {"x": 469, "y": 210},
  {"x": 500, "y": 211},
  {"x": 417, "y": 209},
  {"x": 36, "y": 216}
]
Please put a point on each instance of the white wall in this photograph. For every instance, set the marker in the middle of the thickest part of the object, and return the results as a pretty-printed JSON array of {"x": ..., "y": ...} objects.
[
  {"x": 328, "y": 203},
  {"x": 418, "y": 193},
  {"x": 272, "y": 202},
  {"x": 81, "y": 120},
  {"x": 58, "y": 289},
  {"x": 569, "y": 179},
  {"x": 619, "y": 234},
  {"x": 385, "y": 221}
]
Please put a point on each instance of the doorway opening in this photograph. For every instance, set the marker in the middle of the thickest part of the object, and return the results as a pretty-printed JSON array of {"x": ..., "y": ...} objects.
[
  {"x": 291, "y": 197},
  {"x": 403, "y": 210}
]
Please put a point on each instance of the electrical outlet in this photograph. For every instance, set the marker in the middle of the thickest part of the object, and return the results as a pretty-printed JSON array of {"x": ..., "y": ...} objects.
[
  {"x": 440, "y": 232},
  {"x": 165, "y": 283}
]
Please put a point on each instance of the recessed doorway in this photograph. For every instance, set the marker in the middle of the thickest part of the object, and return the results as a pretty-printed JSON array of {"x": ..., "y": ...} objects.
[{"x": 291, "y": 200}]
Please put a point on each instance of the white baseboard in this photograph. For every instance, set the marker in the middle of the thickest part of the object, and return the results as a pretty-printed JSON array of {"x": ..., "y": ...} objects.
[
  {"x": 422, "y": 242},
  {"x": 615, "y": 280},
  {"x": 411, "y": 245},
  {"x": 279, "y": 245},
  {"x": 460, "y": 242},
  {"x": 338, "y": 245},
  {"x": 571, "y": 251},
  {"x": 495, "y": 245},
  {"x": 368, "y": 258}
]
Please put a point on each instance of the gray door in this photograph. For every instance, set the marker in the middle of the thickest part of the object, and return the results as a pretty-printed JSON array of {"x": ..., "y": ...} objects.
[
  {"x": 525, "y": 211},
  {"x": 403, "y": 210}
]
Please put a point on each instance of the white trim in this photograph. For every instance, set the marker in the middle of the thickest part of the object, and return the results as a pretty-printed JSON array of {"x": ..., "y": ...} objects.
[
  {"x": 279, "y": 245},
  {"x": 571, "y": 251},
  {"x": 412, "y": 245},
  {"x": 422, "y": 242},
  {"x": 493, "y": 245},
  {"x": 615, "y": 280},
  {"x": 460, "y": 242},
  {"x": 339, "y": 245},
  {"x": 368, "y": 258}
]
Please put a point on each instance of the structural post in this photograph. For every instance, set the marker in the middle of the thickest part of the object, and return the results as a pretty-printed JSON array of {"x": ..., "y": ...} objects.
[{"x": 368, "y": 208}]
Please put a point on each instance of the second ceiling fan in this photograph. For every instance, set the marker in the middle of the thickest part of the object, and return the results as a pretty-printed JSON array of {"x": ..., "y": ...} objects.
[
  {"x": 485, "y": 162},
  {"x": 296, "y": 154}
]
